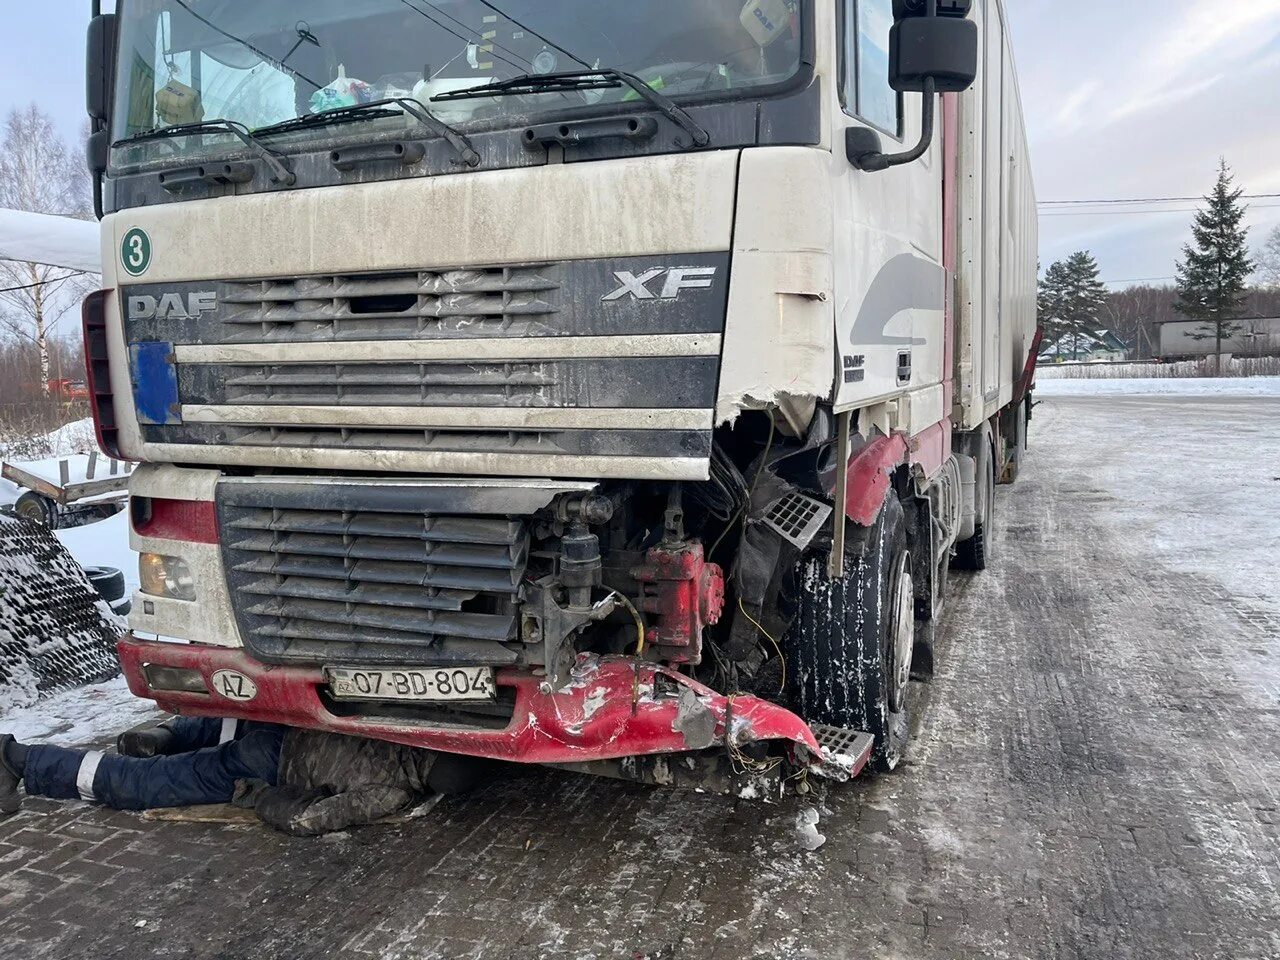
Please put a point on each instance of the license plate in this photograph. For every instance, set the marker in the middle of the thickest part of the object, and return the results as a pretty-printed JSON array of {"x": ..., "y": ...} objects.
[{"x": 435, "y": 683}]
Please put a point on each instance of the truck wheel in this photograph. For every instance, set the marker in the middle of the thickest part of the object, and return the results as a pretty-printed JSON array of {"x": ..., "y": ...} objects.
[
  {"x": 849, "y": 649},
  {"x": 972, "y": 554},
  {"x": 108, "y": 581},
  {"x": 37, "y": 508}
]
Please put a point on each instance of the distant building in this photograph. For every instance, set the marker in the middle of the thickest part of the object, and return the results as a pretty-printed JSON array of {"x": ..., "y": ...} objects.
[
  {"x": 1092, "y": 346},
  {"x": 1254, "y": 337}
]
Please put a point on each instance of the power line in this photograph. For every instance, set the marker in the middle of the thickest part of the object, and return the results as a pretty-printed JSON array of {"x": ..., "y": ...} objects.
[
  {"x": 1138, "y": 280},
  {"x": 1061, "y": 203},
  {"x": 1131, "y": 213},
  {"x": 41, "y": 283}
]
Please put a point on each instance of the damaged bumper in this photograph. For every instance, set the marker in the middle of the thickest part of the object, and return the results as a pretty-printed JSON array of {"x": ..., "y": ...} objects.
[{"x": 612, "y": 709}]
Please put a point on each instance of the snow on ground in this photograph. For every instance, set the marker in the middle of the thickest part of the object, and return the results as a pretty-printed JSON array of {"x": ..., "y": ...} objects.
[
  {"x": 104, "y": 544},
  {"x": 1194, "y": 478},
  {"x": 1181, "y": 386},
  {"x": 8, "y": 492},
  {"x": 78, "y": 717}
]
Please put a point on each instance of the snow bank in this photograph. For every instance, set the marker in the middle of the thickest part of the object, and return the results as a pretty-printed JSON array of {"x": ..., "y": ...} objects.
[
  {"x": 1186, "y": 387},
  {"x": 81, "y": 716},
  {"x": 76, "y": 437}
]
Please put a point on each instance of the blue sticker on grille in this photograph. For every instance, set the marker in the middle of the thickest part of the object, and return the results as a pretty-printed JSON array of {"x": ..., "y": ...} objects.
[{"x": 155, "y": 382}]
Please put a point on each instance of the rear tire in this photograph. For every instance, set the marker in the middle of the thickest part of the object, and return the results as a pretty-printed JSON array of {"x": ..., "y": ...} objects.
[
  {"x": 37, "y": 508},
  {"x": 972, "y": 554},
  {"x": 849, "y": 649}
]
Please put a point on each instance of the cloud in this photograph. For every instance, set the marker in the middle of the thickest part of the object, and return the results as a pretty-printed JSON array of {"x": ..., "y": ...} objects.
[
  {"x": 1201, "y": 37},
  {"x": 1071, "y": 116}
]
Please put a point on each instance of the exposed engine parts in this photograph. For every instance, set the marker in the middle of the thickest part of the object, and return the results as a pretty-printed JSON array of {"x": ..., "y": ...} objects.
[{"x": 683, "y": 594}]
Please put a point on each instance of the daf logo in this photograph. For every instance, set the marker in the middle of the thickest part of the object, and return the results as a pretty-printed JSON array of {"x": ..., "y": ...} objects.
[
  {"x": 676, "y": 280},
  {"x": 172, "y": 306}
]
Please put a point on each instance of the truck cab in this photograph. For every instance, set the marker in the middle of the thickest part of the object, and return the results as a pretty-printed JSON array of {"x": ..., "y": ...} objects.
[{"x": 604, "y": 385}]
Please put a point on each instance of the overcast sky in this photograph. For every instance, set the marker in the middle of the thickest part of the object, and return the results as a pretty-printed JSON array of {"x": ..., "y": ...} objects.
[{"x": 1124, "y": 98}]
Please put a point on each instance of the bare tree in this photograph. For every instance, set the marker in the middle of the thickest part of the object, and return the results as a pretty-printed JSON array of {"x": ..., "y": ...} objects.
[
  {"x": 1268, "y": 261},
  {"x": 39, "y": 173}
]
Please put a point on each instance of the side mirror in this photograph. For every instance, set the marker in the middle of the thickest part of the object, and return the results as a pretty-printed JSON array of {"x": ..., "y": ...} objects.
[
  {"x": 99, "y": 61},
  {"x": 100, "y": 56},
  {"x": 944, "y": 49},
  {"x": 933, "y": 49}
]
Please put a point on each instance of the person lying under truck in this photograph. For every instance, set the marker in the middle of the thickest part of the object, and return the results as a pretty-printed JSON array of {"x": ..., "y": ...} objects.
[{"x": 303, "y": 782}]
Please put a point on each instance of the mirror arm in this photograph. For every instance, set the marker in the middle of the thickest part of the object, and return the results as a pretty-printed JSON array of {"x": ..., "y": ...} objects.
[{"x": 874, "y": 161}]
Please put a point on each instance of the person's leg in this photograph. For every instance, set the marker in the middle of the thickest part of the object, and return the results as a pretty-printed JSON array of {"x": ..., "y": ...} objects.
[
  {"x": 13, "y": 757},
  {"x": 177, "y": 735},
  {"x": 208, "y": 775}
]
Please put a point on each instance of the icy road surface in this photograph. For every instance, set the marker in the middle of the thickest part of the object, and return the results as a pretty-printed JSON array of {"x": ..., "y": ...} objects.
[{"x": 1095, "y": 778}]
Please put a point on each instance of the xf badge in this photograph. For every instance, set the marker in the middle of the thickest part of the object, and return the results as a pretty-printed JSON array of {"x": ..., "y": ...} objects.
[{"x": 677, "y": 280}]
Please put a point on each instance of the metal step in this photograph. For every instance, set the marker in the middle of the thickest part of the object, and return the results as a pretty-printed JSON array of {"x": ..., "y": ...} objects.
[{"x": 845, "y": 752}]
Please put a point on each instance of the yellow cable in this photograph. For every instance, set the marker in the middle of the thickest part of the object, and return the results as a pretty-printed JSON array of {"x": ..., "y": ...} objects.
[
  {"x": 635, "y": 615},
  {"x": 782, "y": 685}
]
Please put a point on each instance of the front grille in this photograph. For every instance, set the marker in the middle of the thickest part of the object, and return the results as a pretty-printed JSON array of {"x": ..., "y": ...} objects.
[
  {"x": 397, "y": 581},
  {"x": 500, "y": 301},
  {"x": 653, "y": 443},
  {"x": 317, "y": 370},
  {"x": 676, "y": 382}
]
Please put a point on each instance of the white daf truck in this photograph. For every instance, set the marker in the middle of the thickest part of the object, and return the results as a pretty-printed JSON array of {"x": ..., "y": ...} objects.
[{"x": 600, "y": 384}]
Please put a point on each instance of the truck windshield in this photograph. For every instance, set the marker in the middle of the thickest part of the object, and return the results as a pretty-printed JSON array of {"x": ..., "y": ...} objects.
[{"x": 261, "y": 62}]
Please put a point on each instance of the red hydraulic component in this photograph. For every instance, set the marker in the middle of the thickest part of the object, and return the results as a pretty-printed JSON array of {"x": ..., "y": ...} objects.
[{"x": 682, "y": 595}]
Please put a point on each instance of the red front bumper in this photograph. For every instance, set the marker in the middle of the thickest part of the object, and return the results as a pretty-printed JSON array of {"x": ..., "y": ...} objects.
[{"x": 599, "y": 716}]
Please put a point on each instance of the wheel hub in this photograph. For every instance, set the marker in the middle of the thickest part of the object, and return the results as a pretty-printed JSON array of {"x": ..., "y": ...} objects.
[{"x": 903, "y": 639}]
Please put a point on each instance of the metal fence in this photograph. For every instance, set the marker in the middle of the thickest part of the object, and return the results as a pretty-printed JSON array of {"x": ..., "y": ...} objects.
[
  {"x": 1205, "y": 367},
  {"x": 54, "y": 631}
]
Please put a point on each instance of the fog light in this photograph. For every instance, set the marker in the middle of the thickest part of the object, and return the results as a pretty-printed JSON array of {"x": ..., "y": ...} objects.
[
  {"x": 163, "y": 576},
  {"x": 180, "y": 679}
]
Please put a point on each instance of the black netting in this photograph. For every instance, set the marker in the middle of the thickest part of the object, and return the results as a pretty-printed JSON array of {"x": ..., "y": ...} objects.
[{"x": 55, "y": 633}]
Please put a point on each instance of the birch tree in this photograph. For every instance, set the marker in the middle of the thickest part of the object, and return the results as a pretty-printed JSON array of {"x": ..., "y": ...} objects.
[{"x": 39, "y": 173}]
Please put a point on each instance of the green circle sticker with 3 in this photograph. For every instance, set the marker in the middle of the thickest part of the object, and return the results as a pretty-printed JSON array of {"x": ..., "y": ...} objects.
[{"x": 135, "y": 252}]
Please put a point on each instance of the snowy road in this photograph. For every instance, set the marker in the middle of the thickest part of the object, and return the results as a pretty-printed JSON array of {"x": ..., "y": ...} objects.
[{"x": 1096, "y": 776}]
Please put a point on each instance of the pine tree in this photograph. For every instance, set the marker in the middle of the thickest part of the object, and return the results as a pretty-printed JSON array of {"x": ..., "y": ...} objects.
[
  {"x": 1213, "y": 273},
  {"x": 1070, "y": 302}
]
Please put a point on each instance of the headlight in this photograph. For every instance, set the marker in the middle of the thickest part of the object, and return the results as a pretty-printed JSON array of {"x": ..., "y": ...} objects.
[{"x": 163, "y": 576}]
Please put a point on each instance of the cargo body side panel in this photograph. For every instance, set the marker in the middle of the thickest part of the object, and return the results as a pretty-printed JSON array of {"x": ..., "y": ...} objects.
[{"x": 995, "y": 283}]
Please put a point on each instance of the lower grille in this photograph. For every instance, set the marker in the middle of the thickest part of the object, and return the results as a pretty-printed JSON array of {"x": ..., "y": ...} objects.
[{"x": 399, "y": 580}]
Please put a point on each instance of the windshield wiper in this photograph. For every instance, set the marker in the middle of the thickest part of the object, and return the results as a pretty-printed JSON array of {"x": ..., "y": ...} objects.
[
  {"x": 374, "y": 110},
  {"x": 282, "y": 174},
  {"x": 583, "y": 80}
]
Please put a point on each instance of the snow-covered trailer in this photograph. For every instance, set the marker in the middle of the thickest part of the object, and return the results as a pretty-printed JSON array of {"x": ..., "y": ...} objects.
[{"x": 614, "y": 392}]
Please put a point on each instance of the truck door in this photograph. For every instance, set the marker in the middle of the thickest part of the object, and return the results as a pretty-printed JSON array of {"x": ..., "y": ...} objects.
[{"x": 889, "y": 280}]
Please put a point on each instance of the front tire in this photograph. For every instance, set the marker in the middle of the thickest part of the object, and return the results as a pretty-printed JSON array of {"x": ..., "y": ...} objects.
[{"x": 849, "y": 649}]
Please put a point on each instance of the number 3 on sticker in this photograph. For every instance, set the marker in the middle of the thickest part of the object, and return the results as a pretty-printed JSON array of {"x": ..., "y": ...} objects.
[{"x": 135, "y": 252}]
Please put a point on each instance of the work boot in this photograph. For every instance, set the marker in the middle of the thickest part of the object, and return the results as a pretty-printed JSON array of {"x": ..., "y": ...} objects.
[
  {"x": 10, "y": 777},
  {"x": 155, "y": 742}
]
